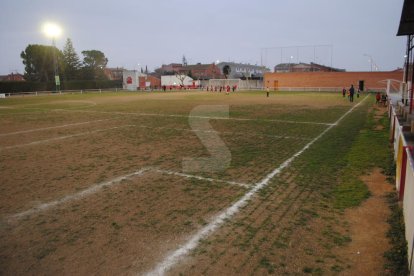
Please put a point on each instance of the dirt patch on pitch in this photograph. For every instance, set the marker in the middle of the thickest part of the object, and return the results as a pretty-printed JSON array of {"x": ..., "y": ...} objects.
[
  {"x": 122, "y": 229},
  {"x": 368, "y": 226},
  {"x": 379, "y": 112}
]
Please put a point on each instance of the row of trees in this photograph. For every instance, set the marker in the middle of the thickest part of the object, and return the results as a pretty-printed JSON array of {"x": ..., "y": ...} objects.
[{"x": 39, "y": 63}]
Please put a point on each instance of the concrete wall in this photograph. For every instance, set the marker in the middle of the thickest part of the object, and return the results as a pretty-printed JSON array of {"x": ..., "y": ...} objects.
[{"x": 372, "y": 80}]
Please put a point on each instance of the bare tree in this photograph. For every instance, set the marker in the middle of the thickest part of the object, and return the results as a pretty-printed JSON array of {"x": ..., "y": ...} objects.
[{"x": 181, "y": 77}]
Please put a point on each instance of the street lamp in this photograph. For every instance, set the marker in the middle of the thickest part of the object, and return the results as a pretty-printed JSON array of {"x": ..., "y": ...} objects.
[
  {"x": 53, "y": 31},
  {"x": 370, "y": 60}
]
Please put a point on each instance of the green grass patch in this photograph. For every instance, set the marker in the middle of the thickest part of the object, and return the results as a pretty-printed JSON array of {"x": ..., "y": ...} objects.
[
  {"x": 370, "y": 149},
  {"x": 397, "y": 256}
]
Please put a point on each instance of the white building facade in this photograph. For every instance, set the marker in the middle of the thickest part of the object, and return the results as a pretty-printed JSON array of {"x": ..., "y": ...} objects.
[
  {"x": 130, "y": 79},
  {"x": 179, "y": 81}
]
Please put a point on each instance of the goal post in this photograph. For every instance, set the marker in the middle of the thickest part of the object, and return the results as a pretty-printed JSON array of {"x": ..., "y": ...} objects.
[{"x": 224, "y": 82}]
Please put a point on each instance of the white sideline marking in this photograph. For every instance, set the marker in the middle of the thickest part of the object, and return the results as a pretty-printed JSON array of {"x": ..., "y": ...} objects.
[
  {"x": 89, "y": 191},
  {"x": 53, "y": 127},
  {"x": 202, "y": 178},
  {"x": 201, "y": 117},
  {"x": 174, "y": 257},
  {"x": 62, "y": 137}
]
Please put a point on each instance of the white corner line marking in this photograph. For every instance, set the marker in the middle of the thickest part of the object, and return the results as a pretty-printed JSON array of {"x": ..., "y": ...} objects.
[
  {"x": 97, "y": 187},
  {"x": 174, "y": 257},
  {"x": 86, "y": 192},
  {"x": 202, "y": 178}
]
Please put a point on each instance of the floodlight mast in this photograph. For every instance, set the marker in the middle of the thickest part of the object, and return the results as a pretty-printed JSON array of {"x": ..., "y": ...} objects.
[{"x": 53, "y": 31}]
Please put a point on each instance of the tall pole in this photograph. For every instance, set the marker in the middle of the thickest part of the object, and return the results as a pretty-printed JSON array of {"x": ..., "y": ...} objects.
[
  {"x": 55, "y": 66},
  {"x": 53, "y": 31},
  {"x": 370, "y": 60}
]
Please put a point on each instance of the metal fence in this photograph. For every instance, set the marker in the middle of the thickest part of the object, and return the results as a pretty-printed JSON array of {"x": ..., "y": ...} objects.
[{"x": 106, "y": 90}]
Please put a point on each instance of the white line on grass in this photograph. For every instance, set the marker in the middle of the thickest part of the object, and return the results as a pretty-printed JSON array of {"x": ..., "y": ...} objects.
[
  {"x": 235, "y": 119},
  {"x": 202, "y": 178},
  {"x": 201, "y": 117},
  {"x": 174, "y": 257},
  {"x": 226, "y": 132},
  {"x": 23, "y": 113},
  {"x": 62, "y": 137},
  {"x": 97, "y": 187},
  {"x": 53, "y": 127},
  {"x": 89, "y": 191}
]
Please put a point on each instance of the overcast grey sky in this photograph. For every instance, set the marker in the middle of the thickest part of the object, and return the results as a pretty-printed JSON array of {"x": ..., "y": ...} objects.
[{"x": 153, "y": 32}]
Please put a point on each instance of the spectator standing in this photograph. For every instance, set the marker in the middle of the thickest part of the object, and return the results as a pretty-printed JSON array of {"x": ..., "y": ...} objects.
[
  {"x": 351, "y": 93},
  {"x": 377, "y": 98}
]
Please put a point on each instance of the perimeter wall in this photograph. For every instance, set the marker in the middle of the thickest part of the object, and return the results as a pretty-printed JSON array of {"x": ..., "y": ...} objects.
[{"x": 372, "y": 80}]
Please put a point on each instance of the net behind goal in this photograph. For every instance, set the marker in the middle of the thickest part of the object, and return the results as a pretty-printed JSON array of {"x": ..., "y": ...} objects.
[
  {"x": 237, "y": 83},
  {"x": 224, "y": 82},
  {"x": 396, "y": 90}
]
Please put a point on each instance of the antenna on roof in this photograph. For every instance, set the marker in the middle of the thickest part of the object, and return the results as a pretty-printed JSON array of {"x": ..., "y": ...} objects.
[{"x": 185, "y": 63}]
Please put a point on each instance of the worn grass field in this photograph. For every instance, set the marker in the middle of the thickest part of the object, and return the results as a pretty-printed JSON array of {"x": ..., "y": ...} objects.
[{"x": 94, "y": 184}]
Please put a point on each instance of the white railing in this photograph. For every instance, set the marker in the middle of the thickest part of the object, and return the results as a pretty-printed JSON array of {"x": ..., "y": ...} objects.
[
  {"x": 60, "y": 92},
  {"x": 404, "y": 180}
]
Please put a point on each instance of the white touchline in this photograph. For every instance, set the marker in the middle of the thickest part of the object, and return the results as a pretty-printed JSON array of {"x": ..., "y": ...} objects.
[
  {"x": 53, "y": 127},
  {"x": 174, "y": 257},
  {"x": 62, "y": 137},
  {"x": 202, "y": 178},
  {"x": 91, "y": 190}
]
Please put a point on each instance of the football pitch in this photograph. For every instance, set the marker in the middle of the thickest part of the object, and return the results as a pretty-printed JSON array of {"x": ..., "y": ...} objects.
[{"x": 115, "y": 183}]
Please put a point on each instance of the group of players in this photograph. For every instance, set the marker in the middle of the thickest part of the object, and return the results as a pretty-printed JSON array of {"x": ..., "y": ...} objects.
[{"x": 222, "y": 88}]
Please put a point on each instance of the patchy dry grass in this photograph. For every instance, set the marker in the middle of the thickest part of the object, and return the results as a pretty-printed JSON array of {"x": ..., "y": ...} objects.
[{"x": 290, "y": 227}]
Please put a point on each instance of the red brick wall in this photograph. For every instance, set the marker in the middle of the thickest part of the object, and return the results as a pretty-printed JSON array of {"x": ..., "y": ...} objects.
[
  {"x": 155, "y": 82},
  {"x": 372, "y": 80}
]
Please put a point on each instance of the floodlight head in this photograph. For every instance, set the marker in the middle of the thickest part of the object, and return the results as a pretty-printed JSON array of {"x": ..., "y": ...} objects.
[{"x": 52, "y": 30}]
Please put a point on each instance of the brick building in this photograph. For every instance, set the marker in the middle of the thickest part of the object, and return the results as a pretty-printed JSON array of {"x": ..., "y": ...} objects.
[
  {"x": 169, "y": 69},
  {"x": 12, "y": 77},
  {"x": 369, "y": 80},
  {"x": 134, "y": 80},
  {"x": 197, "y": 71},
  {"x": 149, "y": 81},
  {"x": 202, "y": 71}
]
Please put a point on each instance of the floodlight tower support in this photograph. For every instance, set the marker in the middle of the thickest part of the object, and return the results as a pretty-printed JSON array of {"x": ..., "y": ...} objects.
[{"x": 55, "y": 65}]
